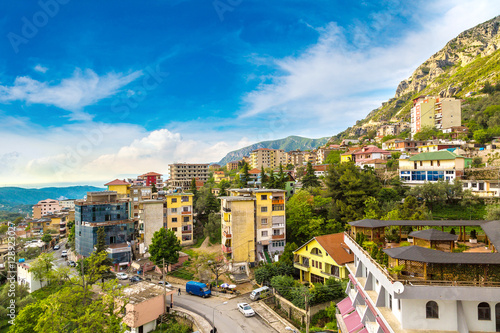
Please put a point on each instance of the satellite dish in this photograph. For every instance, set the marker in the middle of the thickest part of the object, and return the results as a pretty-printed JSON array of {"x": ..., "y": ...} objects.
[{"x": 398, "y": 287}]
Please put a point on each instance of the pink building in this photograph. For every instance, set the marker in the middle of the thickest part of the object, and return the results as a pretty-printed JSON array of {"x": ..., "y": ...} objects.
[
  {"x": 146, "y": 304},
  {"x": 45, "y": 207}
]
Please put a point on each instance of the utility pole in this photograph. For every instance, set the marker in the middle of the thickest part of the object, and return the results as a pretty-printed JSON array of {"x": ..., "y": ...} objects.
[{"x": 307, "y": 314}]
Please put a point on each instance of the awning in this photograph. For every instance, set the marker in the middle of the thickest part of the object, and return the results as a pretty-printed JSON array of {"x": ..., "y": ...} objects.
[
  {"x": 345, "y": 306},
  {"x": 353, "y": 322}
]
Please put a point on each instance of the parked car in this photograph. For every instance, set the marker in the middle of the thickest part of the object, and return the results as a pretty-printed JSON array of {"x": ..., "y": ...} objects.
[
  {"x": 56, "y": 247},
  {"x": 71, "y": 263},
  {"x": 246, "y": 309},
  {"x": 198, "y": 289},
  {"x": 64, "y": 253},
  {"x": 259, "y": 293},
  {"x": 135, "y": 278},
  {"x": 167, "y": 284},
  {"x": 121, "y": 276}
]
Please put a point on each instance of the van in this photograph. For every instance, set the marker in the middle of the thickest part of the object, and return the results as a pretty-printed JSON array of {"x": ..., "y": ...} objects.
[
  {"x": 198, "y": 289},
  {"x": 260, "y": 293}
]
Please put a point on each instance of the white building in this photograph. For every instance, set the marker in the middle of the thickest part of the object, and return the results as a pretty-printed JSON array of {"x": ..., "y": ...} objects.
[
  {"x": 380, "y": 302},
  {"x": 25, "y": 277}
]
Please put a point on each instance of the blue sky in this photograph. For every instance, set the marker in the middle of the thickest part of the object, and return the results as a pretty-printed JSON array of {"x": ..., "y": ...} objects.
[{"x": 91, "y": 91}]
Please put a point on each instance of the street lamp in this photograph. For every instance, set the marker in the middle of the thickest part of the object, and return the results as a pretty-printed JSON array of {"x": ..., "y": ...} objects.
[{"x": 214, "y": 330}]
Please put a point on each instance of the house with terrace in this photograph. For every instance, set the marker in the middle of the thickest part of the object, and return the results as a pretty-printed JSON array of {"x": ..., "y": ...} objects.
[{"x": 423, "y": 287}]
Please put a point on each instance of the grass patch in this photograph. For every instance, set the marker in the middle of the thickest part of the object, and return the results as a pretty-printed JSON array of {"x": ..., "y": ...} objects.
[
  {"x": 182, "y": 274},
  {"x": 45, "y": 292}
]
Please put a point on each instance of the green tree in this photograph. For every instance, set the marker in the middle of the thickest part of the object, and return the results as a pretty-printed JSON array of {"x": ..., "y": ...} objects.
[
  {"x": 263, "y": 177},
  {"x": 42, "y": 267},
  {"x": 482, "y": 136},
  {"x": 333, "y": 157},
  {"x": 271, "y": 180},
  {"x": 27, "y": 319},
  {"x": 46, "y": 238},
  {"x": 427, "y": 133},
  {"x": 101, "y": 240},
  {"x": 164, "y": 246},
  {"x": 244, "y": 175},
  {"x": 224, "y": 185},
  {"x": 287, "y": 255},
  {"x": 153, "y": 188},
  {"x": 310, "y": 179},
  {"x": 213, "y": 228},
  {"x": 18, "y": 220},
  {"x": 193, "y": 189}
]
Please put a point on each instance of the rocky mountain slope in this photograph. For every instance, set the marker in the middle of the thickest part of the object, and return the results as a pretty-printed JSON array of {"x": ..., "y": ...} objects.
[
  {"x": 462, "y": 66},
  {"x": 287, "y": 144}
]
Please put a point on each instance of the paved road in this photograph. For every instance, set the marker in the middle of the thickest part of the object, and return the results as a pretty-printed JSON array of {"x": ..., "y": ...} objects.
[{"x": 227, "y": 317}]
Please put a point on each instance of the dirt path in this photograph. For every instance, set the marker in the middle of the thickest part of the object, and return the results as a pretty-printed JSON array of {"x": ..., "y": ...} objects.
[{"x": 205, "y": 247}]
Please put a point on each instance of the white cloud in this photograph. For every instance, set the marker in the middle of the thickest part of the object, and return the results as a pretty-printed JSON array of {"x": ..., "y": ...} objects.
[
  {"x": 40, "y": 68},
  {"x": 83, "y": 88},
  {"x": 337, "y": 81}
]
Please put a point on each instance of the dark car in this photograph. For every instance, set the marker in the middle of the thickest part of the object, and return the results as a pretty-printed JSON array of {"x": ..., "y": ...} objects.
[
  {"x": 71, "y": 263},
  {"x": 135, "y": 278}
]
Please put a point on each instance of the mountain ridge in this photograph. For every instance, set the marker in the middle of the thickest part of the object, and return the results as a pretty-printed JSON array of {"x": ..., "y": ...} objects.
[
  {"x": 463, "y": 65},
  {"x": 289, "y": 143},
  {"x": 13, "y": 196}
]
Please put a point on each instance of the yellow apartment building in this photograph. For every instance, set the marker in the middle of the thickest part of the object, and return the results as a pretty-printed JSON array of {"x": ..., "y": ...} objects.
[
  {"x": 322, "y": 258},
  {"x": 178, "y": 213},
  {"x": 267, "y": 158},
  {"x": 253, "y": 224}
]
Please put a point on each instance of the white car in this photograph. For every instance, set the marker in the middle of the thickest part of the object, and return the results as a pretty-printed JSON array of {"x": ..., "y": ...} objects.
[
  {"x": 121, "y": 276},
  {"x": 246, "y": 309},
  {"x": 64, "y": 253},
  {"x": 167, "y": 284}
]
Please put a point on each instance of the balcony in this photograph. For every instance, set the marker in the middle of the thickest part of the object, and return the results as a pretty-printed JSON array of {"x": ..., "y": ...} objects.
[
  {"x": 300, "y": 266},
  {"x": 278, "y": 225},
  {"x": 186, "y": 212},
  {"x": 330, "y": 274},
  {"x": 227, "y": 217},
  {"x": 278, "y": 237},
  {"x": 226, "y": 210},
  {"x": 226, "y": 234},
  {"x": 278, "y": 201},
  {"x": 187, "y": 231},
  {"x": 226, "y": 249}
]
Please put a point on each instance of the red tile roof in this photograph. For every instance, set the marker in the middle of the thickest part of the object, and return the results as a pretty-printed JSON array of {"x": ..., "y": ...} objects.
[
  {"x": 371, "y": 149},
  {"x": 334, "y": 245},
  {"x": 151, "y": 174},
  {"x": 117, "y": 182},
  {"x": 254, "y": 171}
]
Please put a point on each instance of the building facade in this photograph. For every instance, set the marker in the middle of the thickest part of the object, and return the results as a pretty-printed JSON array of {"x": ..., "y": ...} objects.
[
  {"x": 181, "y": 174},
  {"x": 432, "y": 111},
  {"x": 322, "y": 258},
  {"x": 151, "y": 178},
  {"x": 45, "y": 207},
  {"x": 267, "y": 158},
  {"x": 104, "y": 209},
  {"x": 253, "y": 224}
]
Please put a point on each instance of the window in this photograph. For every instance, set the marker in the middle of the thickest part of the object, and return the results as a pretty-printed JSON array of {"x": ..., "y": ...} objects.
[
  {"x": 263, "y": 221},
  {"x": 399, "y": 304},
  {"x": 185, "y": 199},
  {"x": 263, "y": 209},
  {"x": 174, "y": 229},
  {"x": 264, "y": 233},
  {"x": 186, "y": 219},
  {"x": 174, "y": 219},
  {"x": 263, "y": 197},
  {"x": 174, "y": 210},
  {"x": 483, "y": 311},
  {"x": 174, "y": 200},
  {"x": 431, "y": 310}
]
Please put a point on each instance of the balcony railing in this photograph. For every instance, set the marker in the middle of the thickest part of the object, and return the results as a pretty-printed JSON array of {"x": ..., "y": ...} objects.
[
  {"x": 226, "y": 234},
  {"x": 282, "y": 236},
  {"x": 186, "y": 212},
  {"x": 187, "y": 231},
  {"x": 278, "y": 225},
  {"x": 226, "y": 249},
  {"x": 278, "y": 201},
  {"x": 297, "y": 263},
  {"x": 330, "y": 274}
]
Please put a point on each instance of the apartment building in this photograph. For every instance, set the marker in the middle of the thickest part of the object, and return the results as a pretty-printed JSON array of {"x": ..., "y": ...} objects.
[
  {"x": 45, "y": 207},
  {"x": 232, "y": 165},
  {"x": 104, "y": 209},
  {"x": 436, "y": 146},
  {"x": 432, "y": 166},
  {"x": 178, "y": 212},
  {"x": 392, "y": 129},
  {"x": 267, "y": 158},
  {"x": 253, "y": 224},
  {"x": 419, "y": 289},
  {"x": 437, "y": 112},
  {"x": 322, "y": 258},
  {"x": 67, "y": 204},
  {"x": 151, "y": 178},
  {"x": 181, "y": 174},
  {"x": 173, "y": 211},
  {"x": 368, "y": 154}
]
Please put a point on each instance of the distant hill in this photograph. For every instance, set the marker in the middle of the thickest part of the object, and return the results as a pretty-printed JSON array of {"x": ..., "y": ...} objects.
[
  {"x": 459, "y": 69},
  {"x": 287, "y": 144},
  {"x": 14, "y": 196}
]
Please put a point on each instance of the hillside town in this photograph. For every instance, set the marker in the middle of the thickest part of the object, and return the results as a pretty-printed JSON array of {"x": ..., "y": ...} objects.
[{"x": 369, "y": 234}]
